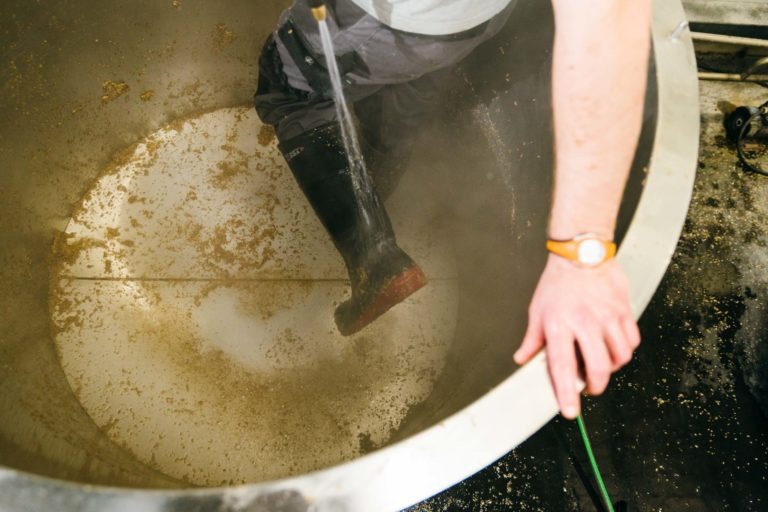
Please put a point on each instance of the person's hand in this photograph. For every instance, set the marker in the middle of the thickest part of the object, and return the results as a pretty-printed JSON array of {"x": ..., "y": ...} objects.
[{"x": 580, "y": 315}]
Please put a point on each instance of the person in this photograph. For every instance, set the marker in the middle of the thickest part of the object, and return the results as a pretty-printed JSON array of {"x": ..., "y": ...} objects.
[{"x": 393, "y": 56}]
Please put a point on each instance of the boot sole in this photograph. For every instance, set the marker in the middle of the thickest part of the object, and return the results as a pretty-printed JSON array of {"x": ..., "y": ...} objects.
[{"x": 402, "y": 286}]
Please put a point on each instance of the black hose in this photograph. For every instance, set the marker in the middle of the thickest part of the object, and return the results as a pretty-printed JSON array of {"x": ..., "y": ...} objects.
[{"x": 740, "y": 145}]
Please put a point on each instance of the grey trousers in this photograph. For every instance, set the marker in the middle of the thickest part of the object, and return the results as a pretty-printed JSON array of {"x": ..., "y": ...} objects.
[{"x": 392, "y": 79}]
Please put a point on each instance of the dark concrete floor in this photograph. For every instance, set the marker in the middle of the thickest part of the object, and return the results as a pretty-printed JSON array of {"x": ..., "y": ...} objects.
[{"x": 680, "y": 428}]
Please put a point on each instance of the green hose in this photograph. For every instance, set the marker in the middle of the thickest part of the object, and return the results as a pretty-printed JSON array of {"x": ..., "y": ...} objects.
[{"x": 593, "y": 463}]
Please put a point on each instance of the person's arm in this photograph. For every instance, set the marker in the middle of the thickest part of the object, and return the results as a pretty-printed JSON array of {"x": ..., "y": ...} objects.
[{"x": 599, "y": 76}]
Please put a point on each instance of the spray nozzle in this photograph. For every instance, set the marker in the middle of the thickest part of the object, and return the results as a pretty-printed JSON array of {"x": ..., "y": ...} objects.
[{"x": 318, "y": 9}]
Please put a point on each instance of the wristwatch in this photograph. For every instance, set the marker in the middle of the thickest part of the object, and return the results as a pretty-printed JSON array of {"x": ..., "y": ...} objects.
[{"x": 586, "y": 249}]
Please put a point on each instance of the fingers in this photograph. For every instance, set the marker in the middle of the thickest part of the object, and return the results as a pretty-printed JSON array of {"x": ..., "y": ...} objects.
[
  {"x": 580, "y": 308},
  {"x": 597, "y": 361},
  {"x": 618, "y": 344},
  {"x": 632, "y": 331},
  {"x": 622, "y": 337},
  {"x": 532, "y": 342},
  {"x": 561, "y": 359}
]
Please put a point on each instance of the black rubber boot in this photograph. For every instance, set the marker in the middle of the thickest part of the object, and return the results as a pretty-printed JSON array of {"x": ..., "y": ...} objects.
[
  {"x": 386, "y": 167},
  {"x": 381, "y": 274}
]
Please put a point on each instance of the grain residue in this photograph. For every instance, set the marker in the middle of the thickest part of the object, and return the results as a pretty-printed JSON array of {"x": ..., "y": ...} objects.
[
  {"x": 266, "y": 135},
  {"x": 223, "y": 36},
  {"x": 112, "y": 90}
]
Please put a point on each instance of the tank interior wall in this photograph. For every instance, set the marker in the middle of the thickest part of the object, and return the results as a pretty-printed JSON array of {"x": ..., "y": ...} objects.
[{"x": 63, "y": 121}]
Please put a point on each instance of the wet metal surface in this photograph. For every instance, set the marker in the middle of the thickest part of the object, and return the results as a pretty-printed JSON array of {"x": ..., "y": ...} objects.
[{"x": 191, "y": 298}]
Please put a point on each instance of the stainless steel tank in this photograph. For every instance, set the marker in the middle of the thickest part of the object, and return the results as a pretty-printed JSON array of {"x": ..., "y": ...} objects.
[{"x": 104, "y": 92}]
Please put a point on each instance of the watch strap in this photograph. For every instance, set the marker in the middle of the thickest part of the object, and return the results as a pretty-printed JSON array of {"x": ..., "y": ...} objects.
[{"x": 569, "y": 249}]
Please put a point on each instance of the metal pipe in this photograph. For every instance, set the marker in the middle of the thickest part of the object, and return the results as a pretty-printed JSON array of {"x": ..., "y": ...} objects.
[
  {"x": 731, "y": 77},
  {"x": 724, "y": 39},
  {"x": 754, "y": 67}
]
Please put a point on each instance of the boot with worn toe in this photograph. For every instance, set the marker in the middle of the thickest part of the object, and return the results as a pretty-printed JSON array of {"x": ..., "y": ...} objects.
[
  {"x": 377, "y": 286},
  {"x": 381, "y": 274}
]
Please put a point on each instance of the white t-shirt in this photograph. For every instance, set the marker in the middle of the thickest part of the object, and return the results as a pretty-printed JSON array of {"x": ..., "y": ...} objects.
[{"x": 432, "y": 17}]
